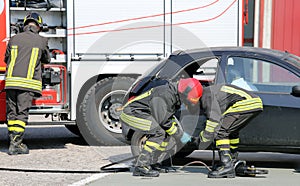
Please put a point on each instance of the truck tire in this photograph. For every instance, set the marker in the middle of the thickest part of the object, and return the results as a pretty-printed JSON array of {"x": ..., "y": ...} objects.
[{"x": 97, "y": 118}]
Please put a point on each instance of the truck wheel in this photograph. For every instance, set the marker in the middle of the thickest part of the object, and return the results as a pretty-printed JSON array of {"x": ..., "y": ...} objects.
[{"x": 98, "y": 117}]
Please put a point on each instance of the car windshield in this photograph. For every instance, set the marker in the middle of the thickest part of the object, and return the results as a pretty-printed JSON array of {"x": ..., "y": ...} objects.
[{"x": 293, "y": 59}]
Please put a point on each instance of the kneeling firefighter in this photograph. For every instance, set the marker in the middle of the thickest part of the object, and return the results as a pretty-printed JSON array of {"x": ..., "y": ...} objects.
[
  {"x": 228, "y": 109},
  {"x": 152, "y": 112}
]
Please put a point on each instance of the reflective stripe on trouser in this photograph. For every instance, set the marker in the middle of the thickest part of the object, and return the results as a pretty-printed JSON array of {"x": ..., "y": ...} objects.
[
  {"x": 152, "y": 146},
  {"x": 157, "y": 142},
  {"x": 18, "y": 103},
  {"x": 223, "y": 144},
  {"x": 16, "y": 126},
  {"x": 136, "y": 122},
  {"x": 234, "y": 144}
]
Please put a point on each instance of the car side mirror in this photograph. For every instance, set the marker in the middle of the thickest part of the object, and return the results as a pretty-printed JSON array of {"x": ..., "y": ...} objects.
[{"x": 296, "y": 91}]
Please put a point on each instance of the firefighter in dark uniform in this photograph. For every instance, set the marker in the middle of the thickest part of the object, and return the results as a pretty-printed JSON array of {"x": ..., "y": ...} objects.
[
  {"x": 152, "y": 113},
  {"x": 24, "y": 54},
  {"x": 228, "y": 109}
]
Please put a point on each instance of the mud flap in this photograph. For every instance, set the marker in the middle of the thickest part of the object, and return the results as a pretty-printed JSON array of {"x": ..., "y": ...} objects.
[
  {"x": 2, "y": 99},
  {"x": 242, "y": 169}
]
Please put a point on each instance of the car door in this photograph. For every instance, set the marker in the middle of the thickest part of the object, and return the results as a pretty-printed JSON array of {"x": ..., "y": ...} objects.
[
  {"x": 278, "y": 125},
  {"x": 205, "y": 70}
]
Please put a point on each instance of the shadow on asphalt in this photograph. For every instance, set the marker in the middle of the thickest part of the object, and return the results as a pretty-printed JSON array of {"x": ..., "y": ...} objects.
[
  {"x": 56, "y": 137},
  {"x": 36, "y": 137}
]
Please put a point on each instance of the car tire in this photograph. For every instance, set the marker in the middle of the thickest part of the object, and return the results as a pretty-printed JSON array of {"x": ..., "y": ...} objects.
[
  {"x": 138, "y": 140},
  {"x": 97, "y": 118}
]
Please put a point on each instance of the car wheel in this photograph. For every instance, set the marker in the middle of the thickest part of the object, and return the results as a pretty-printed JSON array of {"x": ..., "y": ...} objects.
[
  {"x": 138, "y": 140},
  {"x": 98, "y": 115}
]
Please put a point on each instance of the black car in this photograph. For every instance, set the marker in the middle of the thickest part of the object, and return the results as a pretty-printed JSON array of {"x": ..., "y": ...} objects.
[{"x": 272, "y": 75}]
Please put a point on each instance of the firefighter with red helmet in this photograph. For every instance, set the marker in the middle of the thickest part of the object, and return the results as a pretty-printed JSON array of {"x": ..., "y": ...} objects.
[
  {"x": 152, "y": 112},
  {"x": 24, "y": 55},
  {"x": 228, "y": 109}
]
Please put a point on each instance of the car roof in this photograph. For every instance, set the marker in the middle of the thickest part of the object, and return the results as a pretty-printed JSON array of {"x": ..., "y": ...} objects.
[
  {"x": 181, "y": 58},
  {"x": 218, "y": 50}
]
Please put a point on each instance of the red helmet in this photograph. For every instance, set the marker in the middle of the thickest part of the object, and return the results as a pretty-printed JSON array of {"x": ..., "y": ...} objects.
[{"x": 191, "y": 88}]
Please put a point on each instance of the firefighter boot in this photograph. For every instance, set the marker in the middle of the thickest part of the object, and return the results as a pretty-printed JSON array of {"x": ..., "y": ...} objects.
[
  {"x": 235, "y": 155},
  {"x": 142, "y": 167},
  {"x": 226, "y": 169},
  {"x": 16, "y": 146},
  {"x": 155, "y": 163}
]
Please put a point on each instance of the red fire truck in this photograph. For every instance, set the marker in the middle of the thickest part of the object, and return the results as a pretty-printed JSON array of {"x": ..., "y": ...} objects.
[{"x": 99, "y": 49}]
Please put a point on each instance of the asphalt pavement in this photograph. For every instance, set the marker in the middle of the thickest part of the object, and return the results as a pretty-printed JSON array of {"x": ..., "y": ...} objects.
[
  {"x": 55, "y": 148},
  {"x": 283, "y": 169},
  {"x": 197, "y": 176}
]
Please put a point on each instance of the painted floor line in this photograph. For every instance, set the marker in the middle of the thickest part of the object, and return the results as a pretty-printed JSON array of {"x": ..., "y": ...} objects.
[{"x": 90, "y": 179}]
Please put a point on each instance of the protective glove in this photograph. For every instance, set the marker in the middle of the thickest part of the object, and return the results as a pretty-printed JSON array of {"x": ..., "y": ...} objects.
[
  {"x": 185, "y": 138},
  {"x": 202, "y": 138},
  {"x": 195, "y": 141}
]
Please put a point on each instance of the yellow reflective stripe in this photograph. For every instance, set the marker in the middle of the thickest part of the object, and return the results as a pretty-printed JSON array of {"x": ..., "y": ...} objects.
[
  {"x": 147, "y": 148},
  {"x": 144, "y": 95},
  {"x": 173, "y": 129},
  {"x": 23, "y": 82},
  {"x": 223, "y": 149},
  {"x": 16, "y": 122},
  {"x": 32, "y": 63},
  {"x": 222, "y": 142},
  {"x": 164, "y": 144},
  {"x": 13, "y": 57},
  {"x": 233, "y": 147},
  {"x": 235, "y": 141},
  {"x": 245, "y": 105},
  {"x": 138, "y": 123},
  {"x": 16, "y": 125},
  {"x": 39, "y": 20},
  {"x": 232, "y": 90},
  {"x": 152, "y": 144},
  {"x": 155, "y": 145},
  {"x": 15, "y": 129},
  {"x": 210, "y": 126}
]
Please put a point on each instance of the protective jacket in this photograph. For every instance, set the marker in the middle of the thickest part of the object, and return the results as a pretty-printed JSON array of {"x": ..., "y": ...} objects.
[
  {"x": 219, "y": 101},
  {"x": 24, "y": 54},
  {"x": 154, "y": 107}
]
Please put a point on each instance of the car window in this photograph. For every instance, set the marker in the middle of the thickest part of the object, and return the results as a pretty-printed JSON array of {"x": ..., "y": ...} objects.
[
  {"x": 259, "y": 75},
  {"x": 202, "y": 69}
]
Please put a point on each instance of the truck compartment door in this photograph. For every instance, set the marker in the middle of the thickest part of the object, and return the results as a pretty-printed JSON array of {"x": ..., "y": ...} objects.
[{"x": 135, "y": 26}]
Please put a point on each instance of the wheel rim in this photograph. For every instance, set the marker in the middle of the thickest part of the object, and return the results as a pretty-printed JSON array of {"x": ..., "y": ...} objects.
[{"x": 108, "y": 114}]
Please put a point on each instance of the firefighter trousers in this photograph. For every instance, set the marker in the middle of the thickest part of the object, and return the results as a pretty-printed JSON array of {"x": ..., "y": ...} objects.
[
  {"x": 18, "y": 103},
  {"x": 232, "y": 124},
  {"x": 227, "y": 136}
]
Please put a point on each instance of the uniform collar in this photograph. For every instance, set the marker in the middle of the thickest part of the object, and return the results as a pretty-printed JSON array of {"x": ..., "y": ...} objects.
[{"x": 31, "y": 28}]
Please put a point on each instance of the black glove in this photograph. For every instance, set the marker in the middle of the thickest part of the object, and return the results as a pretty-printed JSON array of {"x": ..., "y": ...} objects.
[{"x": 194, "y": 143}]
